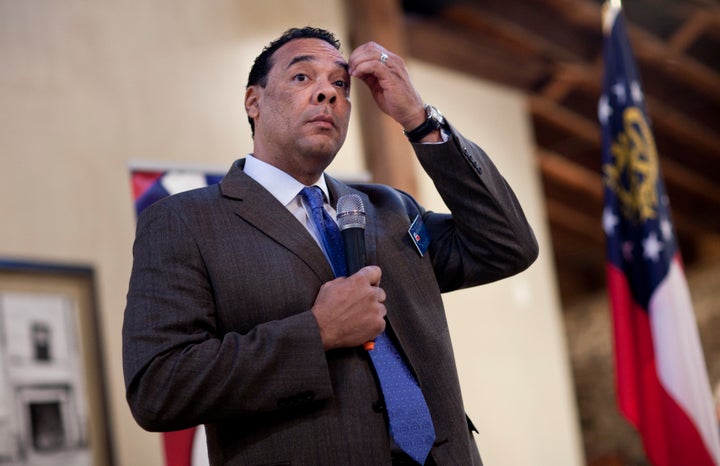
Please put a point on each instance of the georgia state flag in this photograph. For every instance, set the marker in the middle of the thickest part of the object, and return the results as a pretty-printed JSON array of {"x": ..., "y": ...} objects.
[
  {"x": 661, "y": 380},
  {"x": 149, "y": 184},
  {"x": 152, "y": 184}
]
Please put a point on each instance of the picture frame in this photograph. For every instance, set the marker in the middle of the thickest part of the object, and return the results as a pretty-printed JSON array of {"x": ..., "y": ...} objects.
[{"x": 53, "y": 404}]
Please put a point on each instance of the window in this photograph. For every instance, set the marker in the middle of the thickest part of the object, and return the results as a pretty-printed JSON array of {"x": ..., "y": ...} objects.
[{"x": 40, "y": 334}]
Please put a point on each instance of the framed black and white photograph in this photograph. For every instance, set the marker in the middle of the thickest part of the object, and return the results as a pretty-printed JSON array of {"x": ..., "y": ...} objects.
[{"x": 53, "y": 410}]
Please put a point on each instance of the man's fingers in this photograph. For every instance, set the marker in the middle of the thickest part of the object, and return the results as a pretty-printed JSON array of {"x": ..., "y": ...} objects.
[
  {"x": 372, "y": 273},
  {"x": 370, "y": 54}
]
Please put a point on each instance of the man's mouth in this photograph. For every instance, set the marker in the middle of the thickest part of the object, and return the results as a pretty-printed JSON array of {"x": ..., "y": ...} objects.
[{"x": 324, "y": 121}]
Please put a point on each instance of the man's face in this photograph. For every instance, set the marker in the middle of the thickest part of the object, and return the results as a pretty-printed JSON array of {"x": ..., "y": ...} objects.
[{"x": 301, "y": 116}]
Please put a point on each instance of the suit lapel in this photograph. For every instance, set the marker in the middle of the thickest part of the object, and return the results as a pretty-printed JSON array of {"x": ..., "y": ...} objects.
[{"x": 256, "y": 206}]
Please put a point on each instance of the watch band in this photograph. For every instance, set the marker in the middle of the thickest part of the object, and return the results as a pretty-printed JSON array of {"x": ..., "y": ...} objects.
[{"x": 433, "y": 121}]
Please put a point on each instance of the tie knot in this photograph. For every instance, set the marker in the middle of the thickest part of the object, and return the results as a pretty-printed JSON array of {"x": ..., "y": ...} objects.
[{"x": 313, "y": 195}]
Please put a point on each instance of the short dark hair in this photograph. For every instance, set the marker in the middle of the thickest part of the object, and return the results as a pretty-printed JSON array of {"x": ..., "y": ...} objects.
[{"x": 263, "y": 62}]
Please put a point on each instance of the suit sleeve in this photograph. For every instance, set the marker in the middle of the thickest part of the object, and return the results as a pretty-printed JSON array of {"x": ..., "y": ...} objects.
[
  {"x": 486, "y": 237},
  {"x": 178, "y": 371}
]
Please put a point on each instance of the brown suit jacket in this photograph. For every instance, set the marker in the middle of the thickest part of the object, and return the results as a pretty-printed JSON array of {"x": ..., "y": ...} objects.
[{"x": 218, "y": 331}]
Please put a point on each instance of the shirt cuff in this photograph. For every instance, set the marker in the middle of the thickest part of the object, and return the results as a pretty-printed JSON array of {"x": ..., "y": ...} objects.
[{"x": 443, "y": 134}]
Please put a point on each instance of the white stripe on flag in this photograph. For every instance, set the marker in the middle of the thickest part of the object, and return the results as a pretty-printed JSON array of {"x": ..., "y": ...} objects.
[
  {"x": 199, "y": 448},
  {"x": 679, "y": 357},
  {"x": 179, "y": 181}
]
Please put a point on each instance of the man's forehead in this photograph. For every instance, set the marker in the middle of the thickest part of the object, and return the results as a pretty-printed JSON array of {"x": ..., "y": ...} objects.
[{"x": 308, "y": 49}]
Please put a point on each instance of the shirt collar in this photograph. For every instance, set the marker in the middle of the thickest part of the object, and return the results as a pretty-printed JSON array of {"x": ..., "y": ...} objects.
[{"x": 280, "y": 184}]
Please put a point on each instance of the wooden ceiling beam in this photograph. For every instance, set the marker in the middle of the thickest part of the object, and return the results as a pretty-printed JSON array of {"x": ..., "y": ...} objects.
[
  {"x": 558, "y": 88},
  {"x": 566, "y": 119},
  {"x": 518, "y": 40},
  {"x": 559, "y": 170},
  {"x": 590, "y": 131},
  {"x": 705, "y": 241},
  {"x": 568, "y": 76},
  {"x": 671, "y": 122},
  {"x": 442, "y": 45},
  {"x": 575, "y": 176},
  {"x": 690, "y": 31},
  {"x": 582, "y": 13},
  {"x": 689, "y": 226},
  {"x": 681, "y": 67},
  {"x": 715, "y": 29},
  {"x": 664, "y": 117},
  {"x": 646, "y": 46},
  {"x": 691, "y": 181},
  {"x": 580, "y": 223},
  {"x": 555, "y": 40},
  {"x": 708, "y": 249}
]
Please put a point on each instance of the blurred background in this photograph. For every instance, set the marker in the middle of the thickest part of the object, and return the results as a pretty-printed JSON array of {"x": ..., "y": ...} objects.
[{"x": 89, "y": 89}]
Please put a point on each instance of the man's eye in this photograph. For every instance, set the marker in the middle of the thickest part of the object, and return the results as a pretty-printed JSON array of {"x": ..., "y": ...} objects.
[
  {"x": 341, "y": 83},
  {"x": 300, "y": 77}
]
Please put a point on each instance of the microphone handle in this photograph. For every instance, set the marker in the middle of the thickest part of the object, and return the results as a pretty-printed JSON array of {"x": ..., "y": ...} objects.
[
  {"x": 354, "y": 244},
  {"x": 355, "y": 259}
]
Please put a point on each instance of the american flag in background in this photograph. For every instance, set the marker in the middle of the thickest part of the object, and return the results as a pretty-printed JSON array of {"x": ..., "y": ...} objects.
[
  {"x": 661, "y": 377},
  {"x": 150, "y": 183}
]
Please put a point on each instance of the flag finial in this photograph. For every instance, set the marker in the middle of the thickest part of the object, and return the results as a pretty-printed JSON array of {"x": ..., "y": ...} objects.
[{"x": 610, "y": 10}]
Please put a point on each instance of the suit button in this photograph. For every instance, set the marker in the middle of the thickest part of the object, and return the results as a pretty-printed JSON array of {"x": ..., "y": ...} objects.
[{"x": 379, "y": 406}]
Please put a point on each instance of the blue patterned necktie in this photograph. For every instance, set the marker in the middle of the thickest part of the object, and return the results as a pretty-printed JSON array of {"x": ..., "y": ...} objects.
[
  {"x": 410, "y": 423},
  {"x": 327, "y": 229},
  {"x": 409, "y": 417}
]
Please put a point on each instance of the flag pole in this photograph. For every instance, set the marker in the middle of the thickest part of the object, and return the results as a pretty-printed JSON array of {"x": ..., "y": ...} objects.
[{"x": 610, "y": 9}]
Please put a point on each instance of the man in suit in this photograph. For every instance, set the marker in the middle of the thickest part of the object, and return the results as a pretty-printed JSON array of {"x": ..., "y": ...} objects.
[{"x": 235, "y": 318}]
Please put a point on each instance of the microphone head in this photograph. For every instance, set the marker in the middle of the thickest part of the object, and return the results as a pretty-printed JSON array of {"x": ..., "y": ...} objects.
[{"x": 350, "y": 212}]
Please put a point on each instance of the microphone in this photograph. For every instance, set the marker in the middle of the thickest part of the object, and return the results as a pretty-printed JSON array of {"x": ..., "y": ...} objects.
[{"x": 351, "y": 220}]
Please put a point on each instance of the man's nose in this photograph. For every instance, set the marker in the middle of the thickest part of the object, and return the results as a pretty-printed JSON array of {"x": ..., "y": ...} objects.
[{"x": 326, "y": 92}]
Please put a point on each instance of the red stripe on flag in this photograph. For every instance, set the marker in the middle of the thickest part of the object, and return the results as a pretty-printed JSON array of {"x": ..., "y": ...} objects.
[
  {"x": 669, "y": 436},
  {"x": 178, "y": 447},
  {"x": 141, "y": 181}
]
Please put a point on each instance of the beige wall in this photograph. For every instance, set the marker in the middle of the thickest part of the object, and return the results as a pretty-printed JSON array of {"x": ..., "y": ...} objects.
[{"x": 87, "y": 87}]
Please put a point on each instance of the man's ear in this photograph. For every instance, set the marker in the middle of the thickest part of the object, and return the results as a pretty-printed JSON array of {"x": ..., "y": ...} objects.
[{"x": 252, "y": 96}]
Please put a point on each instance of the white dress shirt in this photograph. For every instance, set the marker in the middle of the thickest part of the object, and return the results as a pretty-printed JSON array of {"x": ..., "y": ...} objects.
[{"x": 286, "y": 189}]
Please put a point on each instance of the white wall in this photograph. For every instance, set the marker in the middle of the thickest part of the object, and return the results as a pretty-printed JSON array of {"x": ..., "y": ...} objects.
[{"x": 86, "y": 87}]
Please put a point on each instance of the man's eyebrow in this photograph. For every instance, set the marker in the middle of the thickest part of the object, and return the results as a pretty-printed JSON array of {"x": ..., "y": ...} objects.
[{"x": 300, "y": 58}]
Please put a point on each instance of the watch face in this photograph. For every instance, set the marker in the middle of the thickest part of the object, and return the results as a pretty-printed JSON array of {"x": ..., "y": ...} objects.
[{"x": 435, "y": 114}]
